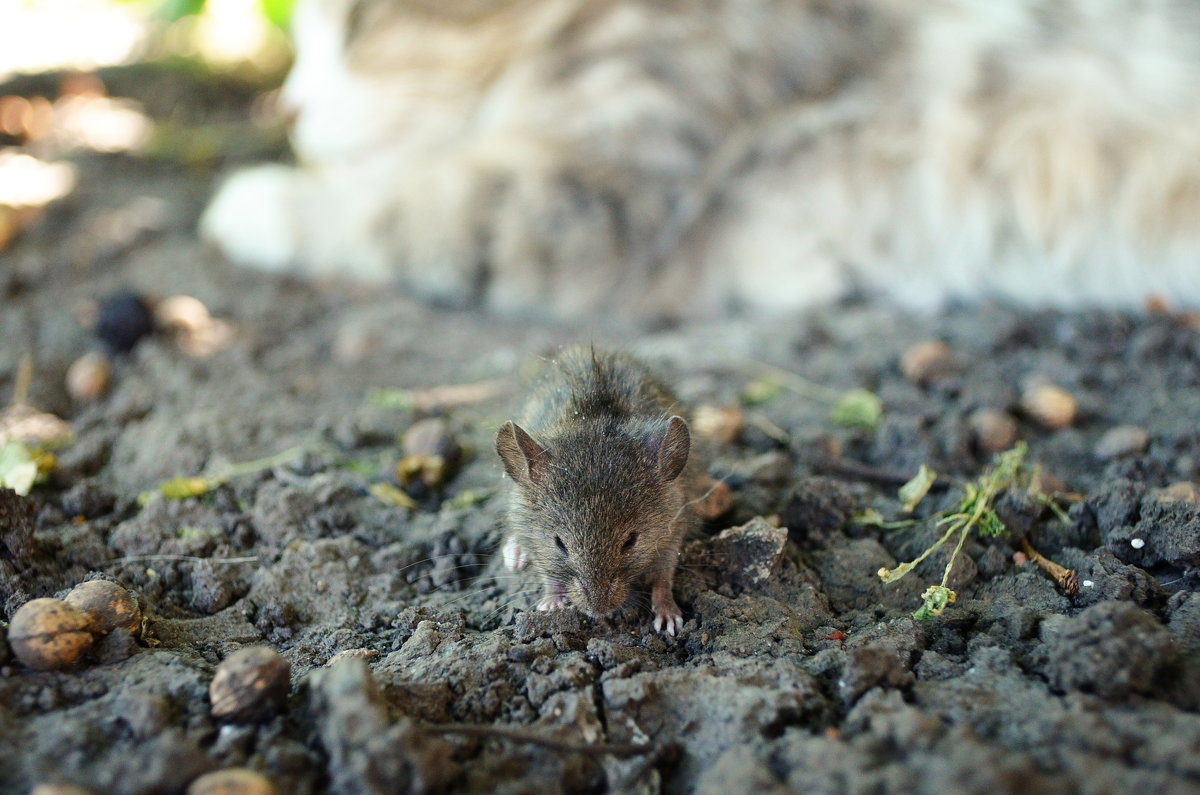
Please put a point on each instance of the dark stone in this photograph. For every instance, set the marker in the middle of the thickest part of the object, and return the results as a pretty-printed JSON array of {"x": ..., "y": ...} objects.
[
  {"x": 1111, "y": 649},
  {"x": 122, "y": 319}
]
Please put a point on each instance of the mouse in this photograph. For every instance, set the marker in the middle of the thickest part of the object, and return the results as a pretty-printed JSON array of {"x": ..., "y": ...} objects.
[{"x": 602, "y": 471}]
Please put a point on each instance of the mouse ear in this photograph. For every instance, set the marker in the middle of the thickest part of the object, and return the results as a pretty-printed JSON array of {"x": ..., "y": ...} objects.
[
  {"x": 525, "y": 460},
  {"x": 673, "y": 447}
]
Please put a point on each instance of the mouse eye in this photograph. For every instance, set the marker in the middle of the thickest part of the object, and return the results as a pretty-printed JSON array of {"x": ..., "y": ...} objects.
[
  {"x": 629, "y": 542},
  {"x": 558, "y": 542}
]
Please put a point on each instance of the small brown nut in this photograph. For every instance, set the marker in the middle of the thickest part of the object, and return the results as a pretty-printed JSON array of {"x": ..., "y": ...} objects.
[
  {"x": 234, "y": 781},
  {"x": 431, "y": 453},
  {"x": 49, "y": 634},
  {"x": 250, "y": 685},
  {"x": 88, "y": 377},
  {"x": 110, "y": 606},
  {"x": 1050, "y": 406},
  {"x": 181, "y": 312},
  {"x": 720, "y": 423},
  {"x": 993, "y": 430},
  {"x": 926, "y": 361},
  {"x": 715, "y": 501},
  {"x": 431, "y": 436}
]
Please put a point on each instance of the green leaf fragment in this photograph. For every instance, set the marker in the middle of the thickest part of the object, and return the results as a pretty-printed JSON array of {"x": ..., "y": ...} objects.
[
  {"x": 395, "y": 399},
  {"x": 18, "y": 469},
  {"x": 934, "y": 600},
  {"x": 858, "y": 408},
  {"x": 989, "y": 524},
  {"x": 912, "y": 492},
  {"x": 760, "y": 390}
]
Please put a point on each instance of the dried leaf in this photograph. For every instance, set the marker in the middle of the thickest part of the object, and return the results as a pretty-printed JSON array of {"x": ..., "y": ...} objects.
[
  {"x": 912, "y": 492},
  {"x": 387, "y": 493},
  {"x": 184, "y": 488},
  {"x": 468, "y": 498}
]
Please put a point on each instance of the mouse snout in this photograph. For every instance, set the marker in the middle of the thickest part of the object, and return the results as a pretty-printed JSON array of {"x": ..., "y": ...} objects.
[{"x": 603, "y": 596}]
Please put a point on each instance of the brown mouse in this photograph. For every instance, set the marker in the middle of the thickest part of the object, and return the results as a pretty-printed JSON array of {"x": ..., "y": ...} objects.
[{"x": 603, "y": 475}]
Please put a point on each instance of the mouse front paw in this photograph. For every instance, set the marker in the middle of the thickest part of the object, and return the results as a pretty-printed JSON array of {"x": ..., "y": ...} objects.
[
  {"x": 552, "y": 602},
  {"x": 668, "y": 618},
  {"x": 513, "y": 555}
]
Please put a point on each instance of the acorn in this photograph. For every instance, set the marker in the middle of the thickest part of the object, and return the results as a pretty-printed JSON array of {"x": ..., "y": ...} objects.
[
  {"x": 49, "y": 634},
  {"x": 233, "y": 781},
  {"x": 926, "y": 361},
  {"x": 720, "y": 423},
  {"x": 250, "y": 685},
  {"x": 431, "y": 453},
  {"x": 196, "y": 331},
  {"x": 110, "y": 606},
  {"x": 993, "y": 430},
  {"x": 88, "y": 377},
  {"x": 1050, "y": 406}
]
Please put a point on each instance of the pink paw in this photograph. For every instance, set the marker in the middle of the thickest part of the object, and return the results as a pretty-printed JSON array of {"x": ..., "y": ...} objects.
[
  {"x": 552, "y": 602},
  {"x": 668, "y": 619}
]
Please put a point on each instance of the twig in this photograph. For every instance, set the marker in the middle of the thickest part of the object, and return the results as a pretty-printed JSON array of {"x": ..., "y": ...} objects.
[
  {"x": 24, "y": 377},
  {"x": 798, "y": 384},
  {"x": 1066, "y": 578},
  {"x": 261, "y": 464},
  {"x": 182, "y": 558},
  {"x": 769, "y": 428},
  {"x": 535, "y": 738},
  {"x": 882, "y": 477}
]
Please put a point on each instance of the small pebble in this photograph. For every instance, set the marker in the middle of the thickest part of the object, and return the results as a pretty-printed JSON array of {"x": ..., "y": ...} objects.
[
  {"x": 1121, "y": 441},
  {"x": 1087, "y": 583},
  {"x": 122, "y": 320},
  {"x": 1179, "y": 491},
  {"x": 993, "y": 430},
  {"x": 751, "y": 553},
  {"x": 1050, "y": 406},
  {"x": 88, "y": 377},
  {"x": 926, "y": 361},
  {"x": 1137, "y": 543}
]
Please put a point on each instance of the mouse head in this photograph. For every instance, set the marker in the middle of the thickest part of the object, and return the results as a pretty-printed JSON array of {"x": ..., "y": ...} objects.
[{"x": 597, "y": 508}]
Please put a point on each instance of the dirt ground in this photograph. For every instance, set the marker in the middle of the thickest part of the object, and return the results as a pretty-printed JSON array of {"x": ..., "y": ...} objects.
[{"x": 798, "y": 669}]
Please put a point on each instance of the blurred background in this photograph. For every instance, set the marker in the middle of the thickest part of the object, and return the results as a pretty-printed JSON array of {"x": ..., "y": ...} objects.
[{"x": 186, "y": 84}]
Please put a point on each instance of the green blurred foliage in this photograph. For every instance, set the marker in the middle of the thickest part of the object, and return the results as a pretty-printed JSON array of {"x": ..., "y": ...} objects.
[{"x": 277, "y": 12}]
